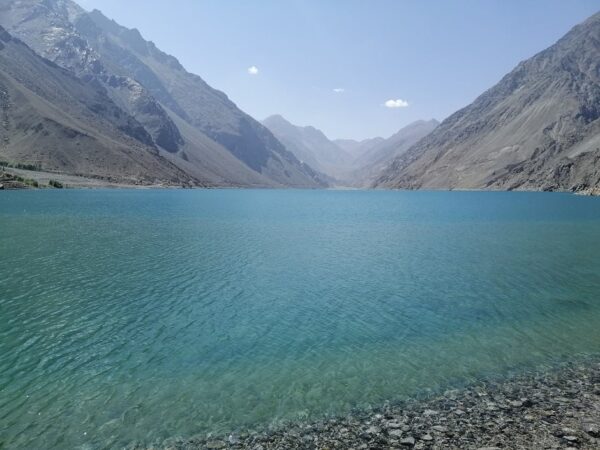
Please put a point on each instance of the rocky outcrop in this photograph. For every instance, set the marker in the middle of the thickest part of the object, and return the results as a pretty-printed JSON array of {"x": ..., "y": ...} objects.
[
  {"x": 54, "y": 121},
  {"x": 48, "y": 28}
]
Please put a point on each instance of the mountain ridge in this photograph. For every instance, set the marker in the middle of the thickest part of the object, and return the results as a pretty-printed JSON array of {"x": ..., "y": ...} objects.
[
  {"x": 205, "y": 108},
  {"x": 311, "y": 145},
  {"x": 538, "y": 128},
  {"x": 375, "y": 159},
  {"x": 153, "y": 87},
  {"x": 56, "y": 122},
  {"x": 355, "y": 167}
]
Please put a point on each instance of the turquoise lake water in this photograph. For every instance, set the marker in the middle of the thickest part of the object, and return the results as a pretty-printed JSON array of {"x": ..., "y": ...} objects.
[{"x": 130, "y": 315}]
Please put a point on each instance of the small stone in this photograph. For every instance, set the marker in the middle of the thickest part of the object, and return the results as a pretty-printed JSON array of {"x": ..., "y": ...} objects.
[
  {"x": 307, "y": 438},
  {"x": 526, "y": 403},
  {"x": 408, "y": 441},
  {"x": 571, "y": 438},
  {"x": 373, "y": 430},
  {"x": 439, "y": 428},
  {"x": 567, "y": 431},
  {"x": 591, "y": 428},
  {"x": 395, "y": 433},
  {"x": 215, "y": 445},
  {"x": 393, "y": 424},
  {"x": 459, "y": 412},
  {"x": 429, "y": 412},
  {"x": 427, "y": 437}
]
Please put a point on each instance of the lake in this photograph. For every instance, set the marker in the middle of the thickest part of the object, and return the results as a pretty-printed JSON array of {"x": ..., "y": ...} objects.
[{"x": 136, "y": 315}]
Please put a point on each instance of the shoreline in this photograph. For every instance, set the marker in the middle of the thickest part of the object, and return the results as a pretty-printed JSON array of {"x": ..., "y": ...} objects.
[
  {"x": 82, "y": 182},
  {"x": 557, "y": 408}
]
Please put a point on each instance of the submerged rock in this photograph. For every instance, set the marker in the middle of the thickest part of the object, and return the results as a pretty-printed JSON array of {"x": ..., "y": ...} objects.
[
  {"x": 552, "y": 410},
  {"x": 408, "y": 441}
]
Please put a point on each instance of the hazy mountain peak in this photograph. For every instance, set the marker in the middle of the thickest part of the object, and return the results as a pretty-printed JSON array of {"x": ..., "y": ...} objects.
[
  {"x": 311, "y": 145},
  {"x": 380, "y": 152},
  {"x": 277, "y": 119},
  {"x": 430, "y": 124}
]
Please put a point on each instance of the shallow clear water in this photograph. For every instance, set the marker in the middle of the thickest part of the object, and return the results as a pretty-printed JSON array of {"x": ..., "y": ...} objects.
[{"x": 139, "y": 315}]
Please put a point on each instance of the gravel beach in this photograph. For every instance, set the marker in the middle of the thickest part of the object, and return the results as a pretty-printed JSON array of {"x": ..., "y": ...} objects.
[{"x": 556, "y": 409}]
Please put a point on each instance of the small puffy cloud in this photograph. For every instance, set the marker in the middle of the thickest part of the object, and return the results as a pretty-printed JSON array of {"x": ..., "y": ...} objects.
[
  {"x": 398, "y": 103},
  {"x": 253, "y": 70},
  {"x": 339, "y": 90}
]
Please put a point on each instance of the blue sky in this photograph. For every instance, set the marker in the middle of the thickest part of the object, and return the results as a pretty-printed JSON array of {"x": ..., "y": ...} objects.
[{"x": 429, "y": 58}]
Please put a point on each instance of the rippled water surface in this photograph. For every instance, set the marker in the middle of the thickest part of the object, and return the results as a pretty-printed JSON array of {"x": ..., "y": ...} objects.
[{"x": 138, "y": 315}]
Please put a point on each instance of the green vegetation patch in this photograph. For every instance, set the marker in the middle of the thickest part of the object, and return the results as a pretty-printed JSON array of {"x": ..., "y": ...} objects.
[{"x": 20, "y": 166}]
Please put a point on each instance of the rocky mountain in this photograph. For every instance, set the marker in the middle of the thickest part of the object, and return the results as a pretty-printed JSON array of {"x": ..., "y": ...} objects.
[
  {"x": 537, "y": 129},
  {"x": 55, "y": 121},
  {"x": 193, "y": 125},
  {"x": 310, "y": 145}
]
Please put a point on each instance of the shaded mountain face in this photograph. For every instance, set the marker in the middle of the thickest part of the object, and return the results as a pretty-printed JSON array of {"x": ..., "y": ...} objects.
[
  {"x": 197, "y": 127},
  {"x": 537, "y": 129},
  {"x": 57, "y": 122},
  {"x": 47, "y": 28},
  {"x": 310, "y": 145}
]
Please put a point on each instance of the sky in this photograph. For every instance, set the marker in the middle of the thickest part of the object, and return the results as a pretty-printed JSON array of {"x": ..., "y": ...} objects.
[{"x": 352, "y": 68}]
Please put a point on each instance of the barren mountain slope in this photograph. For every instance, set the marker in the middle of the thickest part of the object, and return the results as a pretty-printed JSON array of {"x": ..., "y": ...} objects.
[
  {"x": 153, "y": 87},
  {"x": 537, "y": 129},
  {"x": 53, "y": 120}
]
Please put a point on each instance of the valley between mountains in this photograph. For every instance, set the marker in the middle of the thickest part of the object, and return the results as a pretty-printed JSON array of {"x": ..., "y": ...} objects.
[{"x": 86, "y": 98}]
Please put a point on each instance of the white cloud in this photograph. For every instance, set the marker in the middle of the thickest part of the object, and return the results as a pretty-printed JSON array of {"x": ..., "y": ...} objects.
[
  {"x": 339, "y": 90},
  {"x": 398, "y": 103},
  {"x": 253, "y": 70}
]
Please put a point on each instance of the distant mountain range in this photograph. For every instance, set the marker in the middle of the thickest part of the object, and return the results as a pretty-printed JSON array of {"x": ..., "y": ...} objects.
[
  {"x": 311, "y": 146},
  {"x": 375, "y": 158},
  {"x": 346, "y": 162},
  {"x": 537, "y": 129},
  {"x": 191, "y": 125}
]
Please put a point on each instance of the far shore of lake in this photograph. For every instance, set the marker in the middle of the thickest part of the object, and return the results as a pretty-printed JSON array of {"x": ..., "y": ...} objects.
[{"x": 44, "y": 180}]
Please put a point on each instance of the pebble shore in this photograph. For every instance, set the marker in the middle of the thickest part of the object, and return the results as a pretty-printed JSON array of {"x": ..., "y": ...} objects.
[{"x": 557, "y": 409}]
